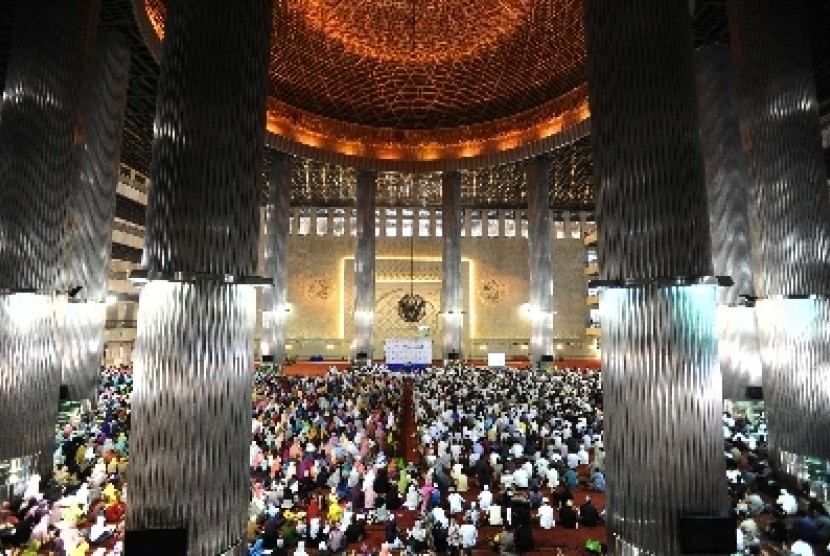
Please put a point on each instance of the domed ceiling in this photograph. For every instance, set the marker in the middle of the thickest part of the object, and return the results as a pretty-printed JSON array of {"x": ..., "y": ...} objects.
[{"x": 419, "y": 80}]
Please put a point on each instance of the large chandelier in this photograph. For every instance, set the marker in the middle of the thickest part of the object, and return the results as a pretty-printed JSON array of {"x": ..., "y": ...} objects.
[{"x": 412, "y": 307}]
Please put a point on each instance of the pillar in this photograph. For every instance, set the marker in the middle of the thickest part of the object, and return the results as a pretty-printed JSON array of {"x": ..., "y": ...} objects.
[
  {"x": 364, "y": 264},
  {"x": 40, "y": 122},
  {"x": 726, "y": 185},
  {"x": 541, "y": 268},
  {"x": 452, "y": 294},
  {"x": 661, "y": 384},
  {"x": 277, "y": 216},
  {"x": 191, "y": 411},
  {"x": 789, "y": 223},
  {"x": 90, "y": 219}
]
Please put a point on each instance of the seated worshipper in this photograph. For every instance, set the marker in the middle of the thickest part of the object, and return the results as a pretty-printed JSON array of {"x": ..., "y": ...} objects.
[
  {"x": 804, "y": 527},
  {"x": 356, "y": 531},
  {"x": 100, "y": 532},
  {"x": 438, "y": 516},
  {"x": 754, "y": 502},
  {"x": 597, "y": 481},
  {"x": 456, "y": 502},
  {"x": 567, "y": 516},
  {"x": 583, "y": 455},
  {"x": 506, "y": 541},
  {"x": 469, "y": 536},
  {"x": 545, "y": 513},
  {"x": 418, "y": 536},
  {"x": 494, "y": 514},
  {"x": 571, "y": 478},
  {"x": 801, "y": 548},
  {"x": 461, "y": 482},
  {"x": 750, "y": 534},
  {"x": 520, "y": 478},
  {"x": 472, "y": 514},
  {"x": 572, "y": 459},
  {"x": 535, "y": 499},
  {"x": 552, "y": 476},
  {"x": 337, "y": 540},
  {"x": 411, "y": 502},
  {"x": 822, "y": 526},
  {"x": 787, "y": 502},
  {"x": 588, "y": 514},
  {"x": 485, "y": 498}
]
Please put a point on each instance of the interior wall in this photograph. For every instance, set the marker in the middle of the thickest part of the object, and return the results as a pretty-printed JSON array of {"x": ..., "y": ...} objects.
[{"x": 495, "y": 281}]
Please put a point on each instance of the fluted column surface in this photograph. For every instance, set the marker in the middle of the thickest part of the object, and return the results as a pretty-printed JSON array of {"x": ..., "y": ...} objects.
[
  {"x": 452, "y": 299},
  {"x": 663, "y": 406},
  {"x": 277, "y": 215},
  {"x": 795, "y": 347},
  {"x": 661, "y": 382},
  {"x": 91, "y": 212},
  {"x": 191, "y": 405},
  {"x": 789, "y": 217},
  {"x": 364, "y": 263},
  {"x": 738, "y": 350},
  {"x": 726, "y": 176},
  {"x": 781, "y": 138},
  {"x": 652, "y": 218},
  {"x": 541, "y": 267},
  {"x": 191, "y": 412},
  {"x": 726, "y": 185},
  {"x": 41, "y": 121},
  {"x": 202, "y": 212},
  {"x": 31, "y": 378}
]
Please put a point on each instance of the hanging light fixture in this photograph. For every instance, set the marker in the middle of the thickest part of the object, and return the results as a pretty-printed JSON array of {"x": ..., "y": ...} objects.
[{"x": 412, "y": 307}]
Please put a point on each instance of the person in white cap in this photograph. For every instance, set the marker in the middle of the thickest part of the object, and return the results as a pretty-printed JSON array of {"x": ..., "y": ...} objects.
[
  {"x": 456, "y": 502},
  {"x": 469, "y": 536},
  {"x": 494, "y": 514},
  {"x": 485, "y": 498},
  {"x": 788, "y": 503},
  {"x": 411, "y": 502},
  {"x": 546, "y": 514}
]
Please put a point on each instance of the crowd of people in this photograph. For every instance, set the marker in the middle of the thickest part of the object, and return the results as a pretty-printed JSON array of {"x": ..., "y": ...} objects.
[
  {"x": 323, "y": 457},
  {"x": 495, "y": 456},
  {"x": 80, "y": 510},
  {"x": 798, "y": 522}
]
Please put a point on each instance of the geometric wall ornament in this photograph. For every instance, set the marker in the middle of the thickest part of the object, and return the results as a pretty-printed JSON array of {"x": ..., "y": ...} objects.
[{"x": 491, "y": 291}]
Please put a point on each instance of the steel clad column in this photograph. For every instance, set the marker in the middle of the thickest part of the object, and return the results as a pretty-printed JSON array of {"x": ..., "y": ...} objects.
[
  {"x": 91, "y": 212},
  {"x": 191, "y": 407},
  {"x": 452, "y": 296},
  {"x": 277, "y": 215},
  {"x": 789, "y": 223},
  {"x": 41, "y": 125},
  {"x": 364, "y": 264},
  {"x": 662, "y": 387},
  {"x": 726, "y": 184},
  {"x": 541, "y": 268}
]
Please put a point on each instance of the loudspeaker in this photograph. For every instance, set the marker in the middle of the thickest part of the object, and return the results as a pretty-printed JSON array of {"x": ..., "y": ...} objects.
[
  {"x": 452, "y": 356},
  {"x": 546, "y": 359},
  {"x": 754, "y": 393},
  {"x": 63, "y": 395},
  {"x": 140, "y": 542},
  {"x": 362, "y": 355},
  {"x": 268, "y": 358},
  {"x": 710, "y": 535}
]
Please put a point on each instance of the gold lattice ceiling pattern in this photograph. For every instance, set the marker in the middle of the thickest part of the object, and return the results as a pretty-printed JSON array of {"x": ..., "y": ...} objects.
[{"x": 422, "y": 79}]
